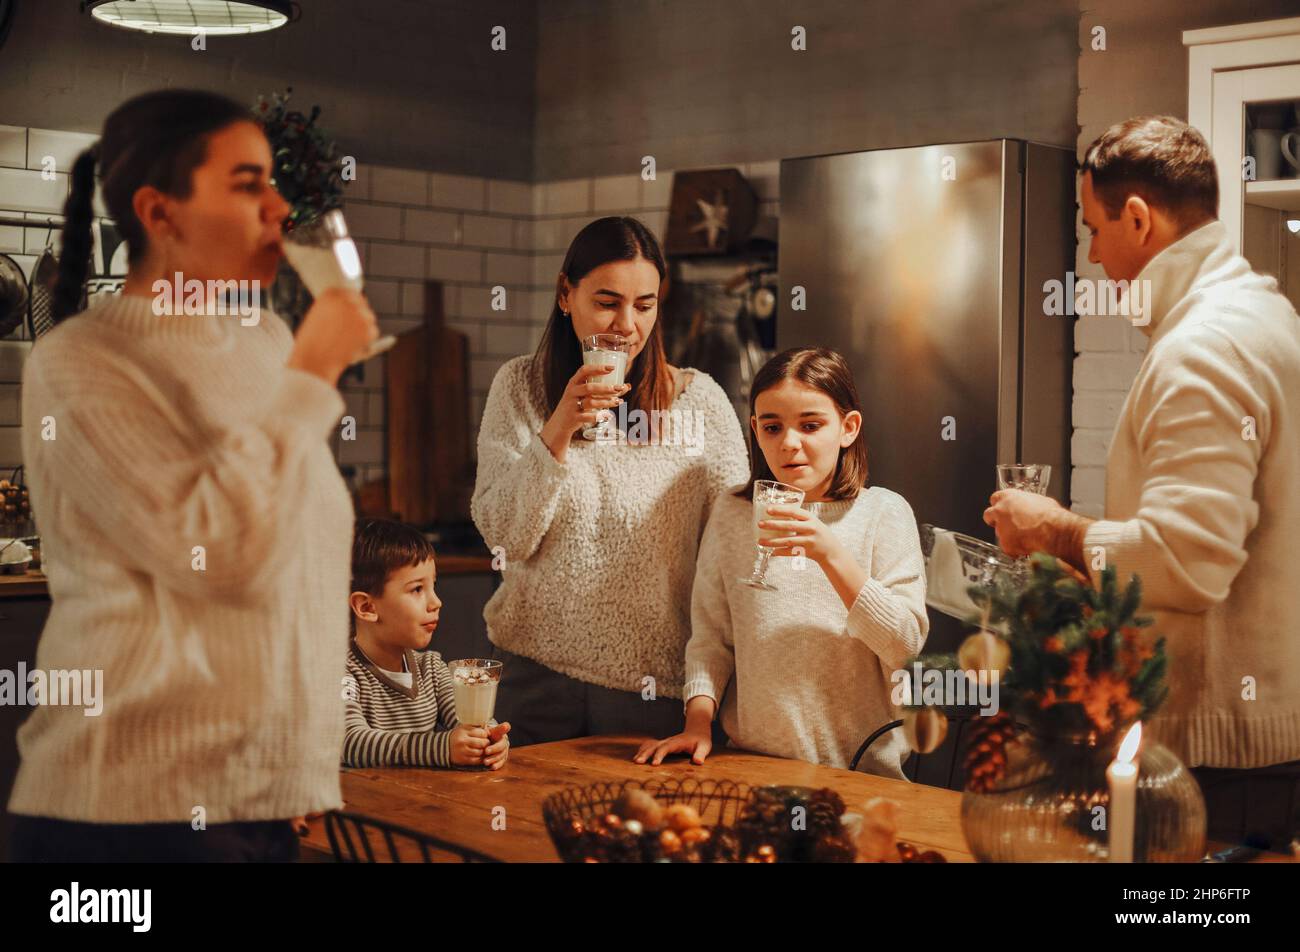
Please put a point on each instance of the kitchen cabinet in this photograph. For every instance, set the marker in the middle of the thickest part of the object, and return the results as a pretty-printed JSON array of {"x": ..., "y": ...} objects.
[{"x": 1241, "y": 78}]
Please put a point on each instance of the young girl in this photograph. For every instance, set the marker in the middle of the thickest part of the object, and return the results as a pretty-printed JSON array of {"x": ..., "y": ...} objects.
[{"x": 803, "y": 672}]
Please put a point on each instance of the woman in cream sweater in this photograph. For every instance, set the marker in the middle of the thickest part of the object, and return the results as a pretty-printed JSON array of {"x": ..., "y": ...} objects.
[
  {"x": 598, "y": 538},
  {"x": 196, "y": 530}
]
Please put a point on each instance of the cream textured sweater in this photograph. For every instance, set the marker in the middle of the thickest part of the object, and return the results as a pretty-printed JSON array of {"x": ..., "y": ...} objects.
[
  {"x": 600, "y": 549},
  {"x": 1204, "y": 504},
  {"x": 222, "y": 666},
  {"x": 808, "y": 679}
]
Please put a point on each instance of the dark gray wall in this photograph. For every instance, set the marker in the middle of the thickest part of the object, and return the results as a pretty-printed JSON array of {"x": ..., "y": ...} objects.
[
  {"x": 697, "y": 83},
  {"x": 1143, "y": 69},
  {"x": 400, "y": 82}
]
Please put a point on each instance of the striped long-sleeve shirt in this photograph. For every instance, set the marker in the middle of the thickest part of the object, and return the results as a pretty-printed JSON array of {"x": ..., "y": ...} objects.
[{"x": 390, "y": 725}]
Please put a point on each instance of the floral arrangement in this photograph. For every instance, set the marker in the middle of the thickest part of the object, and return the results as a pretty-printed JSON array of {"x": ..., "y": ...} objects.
[{"x": 306, "y": 167}]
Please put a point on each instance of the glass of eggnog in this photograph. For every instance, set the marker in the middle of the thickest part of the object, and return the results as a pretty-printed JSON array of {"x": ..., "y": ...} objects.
[
  {"x": 325, "y": 256},
  {"x": 474, "y": 682},
  {"x": 607, "y": 350}
]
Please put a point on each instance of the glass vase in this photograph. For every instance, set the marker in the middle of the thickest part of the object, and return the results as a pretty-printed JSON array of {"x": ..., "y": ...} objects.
[{"x": 1050, "y": 805}]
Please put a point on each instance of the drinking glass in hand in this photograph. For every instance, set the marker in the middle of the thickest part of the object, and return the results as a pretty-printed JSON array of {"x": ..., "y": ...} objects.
[
  {"x": 1031, "y": 477},
  {"x": 768, "y": 492},
  {"x": 325, "y": 256},
  {"x": 609, "y": 350},
  {"x": 474, "y": 685}
]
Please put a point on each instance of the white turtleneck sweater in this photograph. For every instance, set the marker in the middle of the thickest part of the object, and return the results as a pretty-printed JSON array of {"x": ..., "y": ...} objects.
[
  {"x": 600, "y": 550},
  {"x": 221, "y": 664},
  {"x": 809, "y": 679},
  {"x": 1203, "y": 502}
]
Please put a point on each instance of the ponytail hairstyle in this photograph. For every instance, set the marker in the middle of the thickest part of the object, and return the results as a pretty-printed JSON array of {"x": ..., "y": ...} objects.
[
  {"x": 156, "y": 139},
  {"x": 827, "y": 371},
  {"x": 559, "y": 353}
]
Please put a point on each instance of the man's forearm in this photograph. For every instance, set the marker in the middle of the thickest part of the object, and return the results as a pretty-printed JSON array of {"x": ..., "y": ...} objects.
[{"x": 1066, "y": 540}]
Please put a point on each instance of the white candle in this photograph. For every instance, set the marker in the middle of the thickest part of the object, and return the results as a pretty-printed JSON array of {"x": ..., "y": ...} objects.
[{"x": 1121, "y": 776}]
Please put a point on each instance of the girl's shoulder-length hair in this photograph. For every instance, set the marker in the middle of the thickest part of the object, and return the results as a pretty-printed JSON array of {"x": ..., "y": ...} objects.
[{"x": 827, "y": 371}]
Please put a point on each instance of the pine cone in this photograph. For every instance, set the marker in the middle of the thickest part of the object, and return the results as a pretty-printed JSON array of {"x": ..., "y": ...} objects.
[{"x": 986, "y": 755}]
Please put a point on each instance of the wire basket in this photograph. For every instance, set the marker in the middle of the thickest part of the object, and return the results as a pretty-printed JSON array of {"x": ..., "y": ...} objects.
[{"x": 718, "y": 802}]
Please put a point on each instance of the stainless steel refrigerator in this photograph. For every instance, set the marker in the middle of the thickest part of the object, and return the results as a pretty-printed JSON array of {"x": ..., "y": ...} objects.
[{"x": 925, "y": 267}]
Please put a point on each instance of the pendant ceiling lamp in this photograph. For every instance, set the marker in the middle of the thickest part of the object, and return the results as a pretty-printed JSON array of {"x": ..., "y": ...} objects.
[{"x": 191, "y": 17}]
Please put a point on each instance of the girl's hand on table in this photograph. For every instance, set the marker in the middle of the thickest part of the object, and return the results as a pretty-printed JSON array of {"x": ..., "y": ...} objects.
[
  {"x": 698, "y": 743},
  {"x": 468, "y": 745},
  {"x": 494, "y": 757},
  {"x": 802, "y": 533}
]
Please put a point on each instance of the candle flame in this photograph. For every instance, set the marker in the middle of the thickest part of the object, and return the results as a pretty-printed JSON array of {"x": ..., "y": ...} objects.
[{"x": 1128, "y": 747}]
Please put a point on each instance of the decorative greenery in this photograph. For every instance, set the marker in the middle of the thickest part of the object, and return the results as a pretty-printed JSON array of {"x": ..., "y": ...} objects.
[
  {"x": 306, "y": 165},
  {"x": 1080, "y": 663}
]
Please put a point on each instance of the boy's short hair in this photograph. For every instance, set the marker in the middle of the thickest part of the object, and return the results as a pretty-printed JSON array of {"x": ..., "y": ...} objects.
[{"x": 380, "y": 547}]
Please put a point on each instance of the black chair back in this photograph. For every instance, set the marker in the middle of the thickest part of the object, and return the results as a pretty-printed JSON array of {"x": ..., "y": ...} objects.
[
  {"x": 356, "y": 838},
  {"x": 940, "y": 766}
]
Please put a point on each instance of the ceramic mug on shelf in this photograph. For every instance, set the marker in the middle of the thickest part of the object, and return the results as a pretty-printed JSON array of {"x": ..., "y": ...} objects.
[
  {"x": 1266, "y": 148},
  {"x": 1291, "y": 150}
]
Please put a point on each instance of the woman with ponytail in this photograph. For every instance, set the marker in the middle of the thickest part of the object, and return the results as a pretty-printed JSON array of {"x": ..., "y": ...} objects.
[{"x": 195, "y": 527}]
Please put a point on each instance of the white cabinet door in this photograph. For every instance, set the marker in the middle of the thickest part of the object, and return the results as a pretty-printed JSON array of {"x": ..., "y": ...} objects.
[{"x": 1234, "y": 90}]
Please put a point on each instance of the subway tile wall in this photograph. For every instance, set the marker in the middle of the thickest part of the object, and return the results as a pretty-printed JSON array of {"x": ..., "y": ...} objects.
[{"x": 473, "y": 234}]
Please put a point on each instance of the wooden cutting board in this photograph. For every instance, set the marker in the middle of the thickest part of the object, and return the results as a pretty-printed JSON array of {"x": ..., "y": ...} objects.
[{"x": 430, "y": 465}]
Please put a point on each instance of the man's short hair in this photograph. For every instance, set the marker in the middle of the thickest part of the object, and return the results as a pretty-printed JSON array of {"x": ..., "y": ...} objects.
[{"x": 1163, "y": 161}]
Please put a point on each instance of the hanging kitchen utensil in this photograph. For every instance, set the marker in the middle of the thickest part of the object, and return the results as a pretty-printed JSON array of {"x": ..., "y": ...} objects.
[
  {"x": 13, "y": 295},
  {"x": 40, "y": 307}
]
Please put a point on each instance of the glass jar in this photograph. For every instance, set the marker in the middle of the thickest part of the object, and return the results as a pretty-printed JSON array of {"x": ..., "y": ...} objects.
[{"x": 1050, "y": 805}]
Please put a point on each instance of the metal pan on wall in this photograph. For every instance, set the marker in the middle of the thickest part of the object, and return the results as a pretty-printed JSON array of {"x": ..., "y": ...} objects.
[
  {"x": 40, "y": 309},
  {"x": 14, "y": 295}
]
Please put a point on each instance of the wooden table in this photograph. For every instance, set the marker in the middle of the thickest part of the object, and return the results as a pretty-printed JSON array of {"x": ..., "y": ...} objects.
[
  {"x": 457, "y": 805},
  {"x": 28, "y": 584}
]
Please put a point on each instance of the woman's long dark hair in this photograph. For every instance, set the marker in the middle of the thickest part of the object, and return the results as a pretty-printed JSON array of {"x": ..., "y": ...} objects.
[
  {"x": 559, "y": 353},
  {"x": 156, "y": 139},
  {"x": 827, "y": 371}
]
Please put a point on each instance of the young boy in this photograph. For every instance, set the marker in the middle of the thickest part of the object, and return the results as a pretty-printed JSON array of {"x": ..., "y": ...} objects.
[{"x": 400, "y": 706}]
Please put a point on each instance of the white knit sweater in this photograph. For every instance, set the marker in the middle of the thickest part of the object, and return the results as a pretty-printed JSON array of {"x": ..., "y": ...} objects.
[
  {"x": 221, "y": 677},
  {"x": 600, "y": 549},
  {"x": 809, "y": 679},
  {"x": 1208, "y": 517}
]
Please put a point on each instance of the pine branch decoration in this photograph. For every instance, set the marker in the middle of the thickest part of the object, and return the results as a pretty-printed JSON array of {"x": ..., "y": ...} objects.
[{"x": 306, "y": 166}]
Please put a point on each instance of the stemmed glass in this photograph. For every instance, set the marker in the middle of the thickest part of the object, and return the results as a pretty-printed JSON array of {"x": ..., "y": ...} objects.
[
  {"x": 605, "y": 350},
  {"x": 768, "y": 492},
  {"x": 1032, "y": 478},
  {"x": 325, "y": 256}
]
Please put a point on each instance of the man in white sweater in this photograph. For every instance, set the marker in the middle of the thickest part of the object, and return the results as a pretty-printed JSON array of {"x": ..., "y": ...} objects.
[{"x": 1202, "y": 477}]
